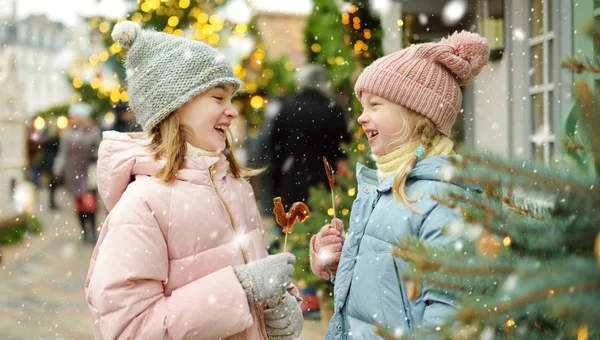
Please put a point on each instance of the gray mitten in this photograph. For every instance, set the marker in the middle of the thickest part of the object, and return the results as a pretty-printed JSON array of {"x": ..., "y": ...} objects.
[
  {"x": 284, "y": 319},
  {"x": 267, "y": 278}
]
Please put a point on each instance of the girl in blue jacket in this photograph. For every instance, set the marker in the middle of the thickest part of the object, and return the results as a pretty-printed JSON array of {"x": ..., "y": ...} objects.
[{"x": 410, "y": 101}]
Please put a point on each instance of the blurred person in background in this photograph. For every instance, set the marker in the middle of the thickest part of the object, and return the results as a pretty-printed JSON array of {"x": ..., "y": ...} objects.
[
  {"x": 75, "y": 164},
  {"x": 49, "y": 145},
  {"x": 308, "y": 127},
  {"x": 34, "y": 155},
  {"x": 261, "y": 156},
  {"x": 125, "y": 119},
  {"x": 304, "y": 129}
]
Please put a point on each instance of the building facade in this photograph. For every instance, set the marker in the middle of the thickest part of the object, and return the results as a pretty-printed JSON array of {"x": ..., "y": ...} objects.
[
  {"x": 515, "y": 106},
  {"x": 32, "y": 78}
]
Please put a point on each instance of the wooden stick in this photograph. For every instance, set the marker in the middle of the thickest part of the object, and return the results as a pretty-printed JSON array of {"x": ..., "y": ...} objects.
[
  {"x": 333, "y": 203},
  {"x": 285, "y": 242},
  {"x": 331, "y": 180}
]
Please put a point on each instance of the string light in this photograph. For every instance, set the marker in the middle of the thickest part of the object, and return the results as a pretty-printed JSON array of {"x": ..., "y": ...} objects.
[
  {"x": 582, "y": 333},
  {"x": 77, "y": 83},
  {"x": 62, "y": 122},
  {"x": 39, "y": 123},
  {"x": 257, "y": 102}
]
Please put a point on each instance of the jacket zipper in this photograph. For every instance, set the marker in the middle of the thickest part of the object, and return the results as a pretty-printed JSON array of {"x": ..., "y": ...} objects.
[
  {"x": 263, "y": 332},
  {"x": 376, "y": 200}
]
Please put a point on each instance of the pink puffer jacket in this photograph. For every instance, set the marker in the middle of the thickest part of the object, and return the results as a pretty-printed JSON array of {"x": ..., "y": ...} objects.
[{"x": 162, "y": 268}]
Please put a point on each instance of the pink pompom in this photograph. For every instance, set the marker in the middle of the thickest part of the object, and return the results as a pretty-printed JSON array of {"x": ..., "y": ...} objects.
[{"x": 473, "y": 53}]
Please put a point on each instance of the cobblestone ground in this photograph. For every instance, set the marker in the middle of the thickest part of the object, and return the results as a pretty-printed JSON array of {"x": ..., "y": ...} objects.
[{"x": 42, "y": 278}]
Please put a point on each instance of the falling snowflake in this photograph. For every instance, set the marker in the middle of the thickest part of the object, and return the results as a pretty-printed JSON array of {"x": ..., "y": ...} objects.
[{"x": 519, "y": 34}]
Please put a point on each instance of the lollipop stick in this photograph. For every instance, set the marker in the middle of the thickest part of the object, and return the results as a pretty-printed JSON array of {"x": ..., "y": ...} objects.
[
  {"x": 333, "y": 203},
  {"x": 331, "y": 180}
]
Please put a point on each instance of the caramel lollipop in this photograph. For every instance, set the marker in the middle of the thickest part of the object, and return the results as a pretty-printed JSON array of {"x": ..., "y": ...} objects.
[{"x": 286, "y": 220}]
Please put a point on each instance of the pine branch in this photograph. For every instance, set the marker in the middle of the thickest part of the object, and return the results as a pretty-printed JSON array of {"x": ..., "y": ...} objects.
[
  {"x": 573, "y": 145},
  {"x": 510, "y": 203},
  {"x": 468, "y": 315},
  {"x": 587, "y": 100},
  {"x": 426, "y": 263},
  {"x": 577, "y": 66},
  {"x": 472, "y": 202},
  {"x": 551, "y": 183}
]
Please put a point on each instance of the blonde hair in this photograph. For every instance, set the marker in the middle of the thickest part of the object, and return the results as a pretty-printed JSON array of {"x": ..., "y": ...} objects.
[
  {"x": 423, "y": 133},
  {"x": 168, "y": 141}
]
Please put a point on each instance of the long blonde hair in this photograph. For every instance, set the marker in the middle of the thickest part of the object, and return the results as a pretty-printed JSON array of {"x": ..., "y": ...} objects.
[
  {"x": 168, "y": 141},
  {"x": 424, "y": 133}
]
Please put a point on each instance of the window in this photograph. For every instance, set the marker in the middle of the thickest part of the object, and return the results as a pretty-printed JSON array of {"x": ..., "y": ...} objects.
[{"x": 541, "y": 82}]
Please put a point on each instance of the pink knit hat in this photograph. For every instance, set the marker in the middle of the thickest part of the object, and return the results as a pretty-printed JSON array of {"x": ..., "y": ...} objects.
[{"x": 426, "y": 77}]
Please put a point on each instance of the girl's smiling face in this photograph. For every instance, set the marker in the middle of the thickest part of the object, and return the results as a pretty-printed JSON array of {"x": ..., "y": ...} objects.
[
  {"x": 387, "y": 124},
  {"x": 207, "y": 118}
]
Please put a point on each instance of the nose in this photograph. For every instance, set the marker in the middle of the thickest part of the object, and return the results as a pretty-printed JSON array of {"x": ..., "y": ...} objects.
[
  {"x": 231, "y": 112},
  {"x": 363, "y": 118}
]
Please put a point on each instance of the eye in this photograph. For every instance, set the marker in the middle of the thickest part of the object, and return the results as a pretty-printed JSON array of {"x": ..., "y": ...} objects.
[
  {"x": 219, "y": 98},
  {"x": 375, "y": 103}
]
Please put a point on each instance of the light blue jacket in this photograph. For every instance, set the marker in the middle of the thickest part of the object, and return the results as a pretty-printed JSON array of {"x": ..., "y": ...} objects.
[{"x": 367, "y": 288}]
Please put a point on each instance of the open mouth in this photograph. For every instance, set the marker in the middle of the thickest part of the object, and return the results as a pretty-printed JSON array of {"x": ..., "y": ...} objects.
[
  {"x": 221, "y": 130},
  {"x": 371, "y": 134}
]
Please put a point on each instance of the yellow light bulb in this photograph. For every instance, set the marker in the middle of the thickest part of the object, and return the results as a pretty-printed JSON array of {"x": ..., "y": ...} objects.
[
  {"x": 173, "y": 21},
  {"x": 103, "y": 56},
  {"x": 94, "y": 59},
  {"x": 104, "y": 27},
  {"x": 77, "y": 83},
  {"x": 241, "y": 29},
  {"x": 39, "y": 123},
  {"x": 115, "y": 96},
  {"x": 109, "y": 117},
  {"x": 183, "y": 4},
  {"x": 62, "y": 122},
  {"x": 257, "y": 102},
  {"x": 124, "y": 96},
  {"x": 96, "y": 83}
]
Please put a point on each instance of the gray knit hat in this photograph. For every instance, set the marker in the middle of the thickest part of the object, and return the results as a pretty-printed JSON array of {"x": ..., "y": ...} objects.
[{"x": 166, "y": 71}]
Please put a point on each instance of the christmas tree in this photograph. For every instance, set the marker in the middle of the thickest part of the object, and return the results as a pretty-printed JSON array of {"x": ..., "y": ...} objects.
[
  {"x": 526, "y": 263},
  {"x": 94, "y": 77}
]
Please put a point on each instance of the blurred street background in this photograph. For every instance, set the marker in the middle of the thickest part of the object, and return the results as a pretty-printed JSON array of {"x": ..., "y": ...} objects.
[{"x": 57, "y": 53}]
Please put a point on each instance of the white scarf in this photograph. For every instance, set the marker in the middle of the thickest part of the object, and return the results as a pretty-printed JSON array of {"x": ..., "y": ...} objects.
[{"x": 193, "y": 152}]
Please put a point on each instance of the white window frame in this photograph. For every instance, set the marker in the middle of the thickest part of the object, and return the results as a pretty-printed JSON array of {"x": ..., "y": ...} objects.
[{"x": 545, "y": 137}]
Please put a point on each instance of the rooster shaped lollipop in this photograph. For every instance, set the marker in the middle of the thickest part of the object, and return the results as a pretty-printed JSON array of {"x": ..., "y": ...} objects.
[{"x": 286, "y": 220}]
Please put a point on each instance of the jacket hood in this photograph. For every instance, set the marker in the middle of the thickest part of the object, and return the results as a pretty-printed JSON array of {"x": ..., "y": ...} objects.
[
  {"x": 435, "y": 168},
  {"x": 123, "y": 156}
]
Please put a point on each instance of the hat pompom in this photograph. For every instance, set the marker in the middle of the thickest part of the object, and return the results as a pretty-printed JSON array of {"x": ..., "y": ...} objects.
[
  {"x": 125, "y": 33},
  {"x": 471, "y": 48}
]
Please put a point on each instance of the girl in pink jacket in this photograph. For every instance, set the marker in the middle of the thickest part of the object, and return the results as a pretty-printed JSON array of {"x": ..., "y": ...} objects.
[{"x": 181, "y": 254}]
